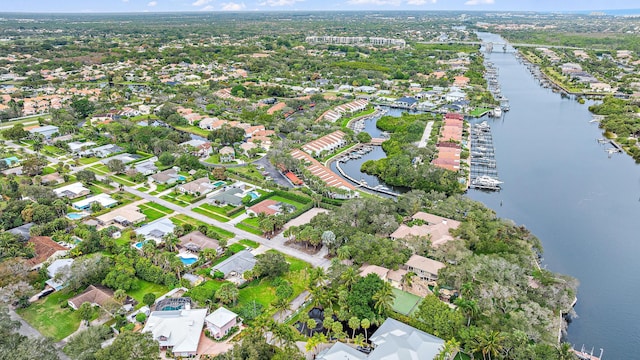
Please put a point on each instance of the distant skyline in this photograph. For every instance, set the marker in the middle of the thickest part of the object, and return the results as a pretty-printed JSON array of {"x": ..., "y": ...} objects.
[{"x": 87, "y": 6}]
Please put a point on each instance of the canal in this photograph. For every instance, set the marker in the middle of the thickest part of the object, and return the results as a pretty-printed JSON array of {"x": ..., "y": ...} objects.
[{"x": 583, "y": 205}]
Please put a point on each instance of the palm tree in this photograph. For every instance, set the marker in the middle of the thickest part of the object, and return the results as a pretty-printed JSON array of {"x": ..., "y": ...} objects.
[
  {"x": 407, "y": 279},
  {"x": 227, "y": 293},
  {"x": 565, "y": 352},
  {"x": 314, "y": 341},
  {"x": 120, "y": 296},
  {"x": 349, "y": 277},
  {"x": 359, "y": 340},
  {"x": 170, "y": 241},
  {"x": 281, "y": 305},
  {"x": 468, "y": 307},
  {"x": 365, "y": 324},
  {"x": 344, "y": 252},
  {"x": 449, "y": 351},
  {"x": 488, "y": 344},
  {"x": 354, "y": 324},
  {"x": 384, "y": 299}
]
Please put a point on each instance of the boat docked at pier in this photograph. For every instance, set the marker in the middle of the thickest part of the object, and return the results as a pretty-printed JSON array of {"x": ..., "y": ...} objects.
[{"x": 486, "y": 182}]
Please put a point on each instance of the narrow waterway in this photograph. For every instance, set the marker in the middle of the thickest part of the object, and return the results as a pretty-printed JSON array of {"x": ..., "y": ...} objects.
[{"x": 583, "y": 205}]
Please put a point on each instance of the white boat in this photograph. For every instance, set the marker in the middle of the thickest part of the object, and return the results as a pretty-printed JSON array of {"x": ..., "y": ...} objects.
[
  {"x": 497, "y": 112},
  {"x": 486, "y": 181}
]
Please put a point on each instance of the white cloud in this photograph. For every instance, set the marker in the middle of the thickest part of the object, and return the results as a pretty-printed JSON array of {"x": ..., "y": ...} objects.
[
  {"x": 375, "y": 2},
  {"x": 421, "y": 2},
  {"x": 152, "y": 3},
  {"x": 125, "y": 1},
  {"x": 479, "y": 2},
  {"x": 201, "y": 2},
  {"x": 208, "y": 8},
  {"x": 231, "y": 6},
  {"x": 279, "y": 2}
]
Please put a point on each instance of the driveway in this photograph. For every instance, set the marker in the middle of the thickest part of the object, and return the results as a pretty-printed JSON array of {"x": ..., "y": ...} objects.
[
  {"x": 273, "y": 172},
  {"x": 210, "y": 347}
]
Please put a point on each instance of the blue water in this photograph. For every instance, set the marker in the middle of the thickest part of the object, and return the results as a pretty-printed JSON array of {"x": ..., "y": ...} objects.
[
  {"x": 181, "y": 178},
  {"x": 254, "y": 195},
  {"x": 218, "y": 183},
  {"x": 187, "y": 261},
  {"x": 75, "y": 216},
  {"x": 139, "y": 244}
]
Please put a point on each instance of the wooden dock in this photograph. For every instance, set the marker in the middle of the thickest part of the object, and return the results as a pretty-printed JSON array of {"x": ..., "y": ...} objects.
[{"x": 360, "y": 184}]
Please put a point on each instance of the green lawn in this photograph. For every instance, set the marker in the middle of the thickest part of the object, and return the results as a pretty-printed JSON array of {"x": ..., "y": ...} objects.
[
  {"x": 213, "y": 159},
  {"x": 479, "y": 111},
  {"x": 182, "y": 219},
  {"x": 151, "y": 214},
  {"x": 159, "y": 207},
  {"x": 120, "y": 179},
  {"x": 204, "y": 291},
  {"x": 287, "y": 201},
  {"x": 249, "y": 243},
  {"x": 208, "y": 213},
  {"x": 100, "y": 169},
  {"x": 404, "y": 302},
  {"x": 193, "y": 129},
  {"x": 259, "y": 290},
  {"x": 98, "y": 187},
  {"x": 144, "y": 287},
  {"x": 85, "y": 161},
  {"x": 250, "y": 229},
  {"x": 50, "y": 319}
]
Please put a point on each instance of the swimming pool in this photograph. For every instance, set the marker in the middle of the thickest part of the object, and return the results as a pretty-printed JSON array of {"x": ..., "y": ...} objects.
[
  {"x": 139, "y": 244},
  {"x": 181, "y": 178},
  {"x": 76, "y": 216},
  {"x": 187, "y": 259},
  {"x": 219, "y": 183},
  {"x": 254, "y": 195}
]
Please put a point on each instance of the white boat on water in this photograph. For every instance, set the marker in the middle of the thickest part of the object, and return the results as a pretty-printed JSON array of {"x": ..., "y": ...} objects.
[
  {"x": 486, "y": 181},
  {"x": 497, "y": 112}
]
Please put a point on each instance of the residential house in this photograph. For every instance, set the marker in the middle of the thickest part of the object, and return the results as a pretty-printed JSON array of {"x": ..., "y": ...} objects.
[
  {"x": 147, "y": 167},
  {"x": 460, "y": 81},
  {"x": 104, "y": 200},
  {"x": 330, "y": 178},
  {"x": 236, "y": 265},
  {"x": 221, "y": 321},
  {"x": 227, "y": 154},
  {"x": 46, "y": 131},
  {"x": 327, "y": 143},
  {"x": 76, "y": 146},
  {"x": 58, "y": 272},
  {"x": 207, "y": 123},
  {"x": 246, "y": 147},
  {"x": 156, "y": 230},
  {"x": 103, "y": 151},
  {"x": 228, "y": 196},
  {"x": 198, "y": 147},
  {"x": 196, "y": 241},
  {"x": 435, "y": 227},
  {"x": 455, "y": 95},
  {"x": 267, "y": 207},
  {"x": 177, "y": 331},
  {"x": 22, "y": 230},
  {"x": 124, "y": 216},
  {"x": 393, "y": 340},
  {"x": 374, "y": 269},
  {"x": 52, "y": 179},
  {"x": 425, "y": 268},
  {"x": 197, "y": 187},
  {"x": 72, "y": 191},
  {"x": 96, "y": 295},
  {"x": 406, "y": 102},
  {"x": 167, "y": 177},
  {"x": 45, "y": 250}
]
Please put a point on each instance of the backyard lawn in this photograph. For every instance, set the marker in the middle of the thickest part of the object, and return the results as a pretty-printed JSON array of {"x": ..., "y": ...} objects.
[
  {"x": 50, "y": 319},
  {"x": 144, "y": 287}
]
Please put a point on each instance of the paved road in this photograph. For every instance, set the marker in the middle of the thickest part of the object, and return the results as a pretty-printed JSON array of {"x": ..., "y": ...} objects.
[
  {"x": 28, "y": 331},
  {"x": 276, "y": 243},
  {"x": 293, "y": 306},
  {"x": 425, "y": 135}
]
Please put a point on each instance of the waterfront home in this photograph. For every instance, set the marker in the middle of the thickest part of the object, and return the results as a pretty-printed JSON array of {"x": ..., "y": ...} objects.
[
  {"x": 124, "y": 216},
  {"x": 177, "y": 331},
  {"x": 45, "y": 249},
  {"x": 166, "y": 177},
  {"x": 227, "y": 154},
  {"x": 327, "y": 143},
  {"x": 267, "y": 207},
  {"x": 235, "y": 266},
  {"x": 104, "y": 200},
  {"x": 435, "y": 227},
  {"x": 327, "y": 176},
  {"x": 455, "y": 95},
  {"x": 72, "y": 191},
  {"x": 406, "y": 102},
  {"x": 221, "y": 321},
  {"x": 197, "y": 187},
  {"x": 156, "y": 230},
  {"x": 425, "y": 268}
]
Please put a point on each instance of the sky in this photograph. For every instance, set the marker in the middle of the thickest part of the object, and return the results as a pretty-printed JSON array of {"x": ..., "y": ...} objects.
[{"x": 302, "y": 5}]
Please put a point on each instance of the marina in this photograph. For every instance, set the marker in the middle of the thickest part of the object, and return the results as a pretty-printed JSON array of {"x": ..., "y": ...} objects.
[{"x": 484, "y": 172}]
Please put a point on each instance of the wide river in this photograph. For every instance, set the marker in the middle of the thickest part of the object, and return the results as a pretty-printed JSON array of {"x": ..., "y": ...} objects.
[{"x": 584, "y": 206}]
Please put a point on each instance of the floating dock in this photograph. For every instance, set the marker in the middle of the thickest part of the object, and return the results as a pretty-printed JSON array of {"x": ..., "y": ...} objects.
[{"x": 484, "y": 170}]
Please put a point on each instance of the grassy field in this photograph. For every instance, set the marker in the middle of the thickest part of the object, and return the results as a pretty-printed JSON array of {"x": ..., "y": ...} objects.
[
  {"x": 479, "y": 112},
  {"x": 85, "y": 161},
  {"x": 50, "y": 319},
  {"x": 120, "y": 179},
  {"x": 287, "y": 201},
  {"x": 180, "y": 199},
  {"x": 153, "y": 212},
  {"x": 213, "y": 159},
  {"x": 249, "y": 229}
]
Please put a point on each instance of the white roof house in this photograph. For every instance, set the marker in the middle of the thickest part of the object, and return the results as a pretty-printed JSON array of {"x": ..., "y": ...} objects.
[
  {"x": 221, "y": 317},
  {"x": 77, "y": 146},
  {"x": 104, "y": 200},
  {"x": 156, "y": 230},
  {"x": 56, "y": 267},
  {"x": 341, "y": 351},
  {"x": 47, "y": 131},
  {"x": 395, "y": 340},
  {"x": 178, "y": 331},
  {"x": 71, "y": 191}
]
